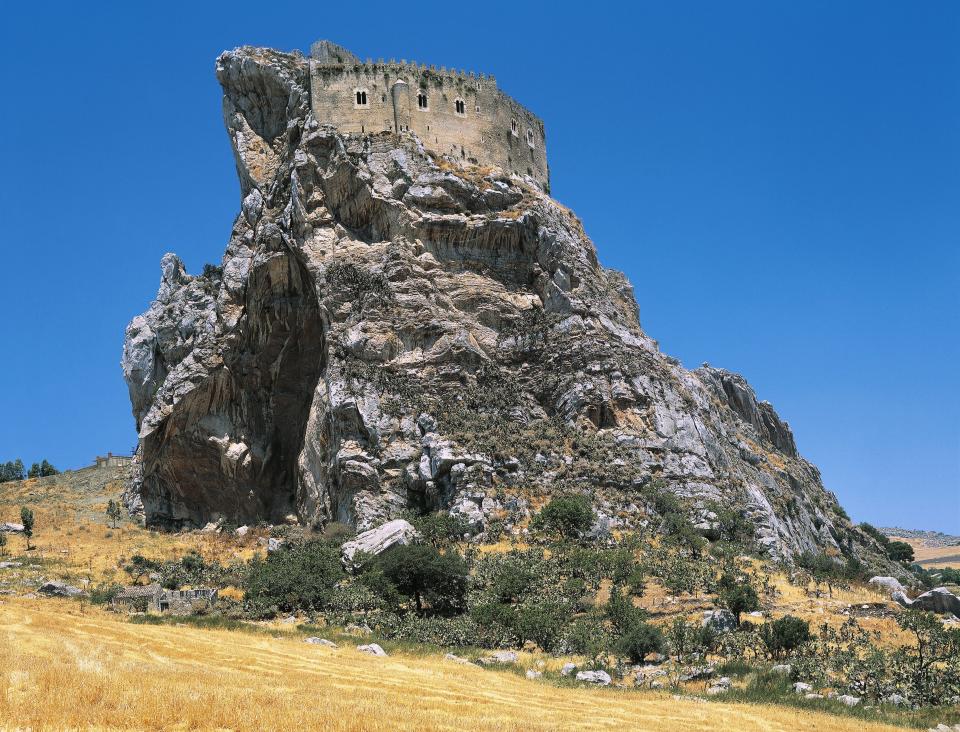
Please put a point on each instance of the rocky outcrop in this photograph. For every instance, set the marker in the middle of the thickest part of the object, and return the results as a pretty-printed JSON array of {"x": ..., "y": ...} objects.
[
  {"x": 937, "y": 600},
  {"x": 889, "y": 585},
  {"x": 389, "y": 330},
  {"x": 376, "y": 541}
]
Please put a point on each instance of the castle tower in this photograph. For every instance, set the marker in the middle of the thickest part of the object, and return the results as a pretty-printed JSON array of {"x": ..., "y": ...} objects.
[{"x": 461, "y": 115}]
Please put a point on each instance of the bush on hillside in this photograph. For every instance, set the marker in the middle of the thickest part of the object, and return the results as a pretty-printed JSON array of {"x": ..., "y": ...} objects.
[
  {"x": 421, "y": 573},
  {"x": 565, "y": 517},
  {"x": 784, "y": 635},
  {"x": 299, "y": 577}
]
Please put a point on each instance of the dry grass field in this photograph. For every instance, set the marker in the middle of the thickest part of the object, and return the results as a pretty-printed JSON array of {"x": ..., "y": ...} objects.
[
  {"x": 63, "y": 669},
  {"x": 69, "y": 665},
  {"x": 933, "y": 557}
]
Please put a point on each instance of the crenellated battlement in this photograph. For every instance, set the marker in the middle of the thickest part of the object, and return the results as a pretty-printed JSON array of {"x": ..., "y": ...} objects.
[{"x": 454, "y": 112}]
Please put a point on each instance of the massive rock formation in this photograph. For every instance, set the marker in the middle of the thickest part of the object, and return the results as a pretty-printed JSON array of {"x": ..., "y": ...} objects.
[{"x": 390, "y": 330}]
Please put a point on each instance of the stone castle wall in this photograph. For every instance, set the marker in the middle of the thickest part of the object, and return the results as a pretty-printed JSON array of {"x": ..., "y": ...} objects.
[{"x": 453, "y": 113}]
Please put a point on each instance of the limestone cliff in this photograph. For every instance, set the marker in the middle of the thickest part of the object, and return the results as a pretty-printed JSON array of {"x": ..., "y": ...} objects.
[{"x": 390, "y": 331}]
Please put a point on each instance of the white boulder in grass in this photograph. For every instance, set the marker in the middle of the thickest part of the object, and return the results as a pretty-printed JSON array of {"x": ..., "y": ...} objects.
[
  {"x": 372, "y": 649},
  {"x": 601, "y": 678}
]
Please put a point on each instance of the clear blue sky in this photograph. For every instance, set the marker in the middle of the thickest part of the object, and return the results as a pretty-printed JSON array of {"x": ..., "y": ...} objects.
[{"x": 780, "y": 181}]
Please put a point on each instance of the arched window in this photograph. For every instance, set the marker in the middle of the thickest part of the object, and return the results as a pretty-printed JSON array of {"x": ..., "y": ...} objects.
[
  {"x": 530, "y": 141},
  {"x": 422, "y": 102},
  {"x": 460, "y": 107},
  {"x": 513, "y": 126},
  {"x": 360, "y": 98}
]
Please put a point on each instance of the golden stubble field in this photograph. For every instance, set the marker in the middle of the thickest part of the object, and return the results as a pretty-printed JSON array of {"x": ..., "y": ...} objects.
[
  {"x": 64, "y": 665},
  {"x": 63, "y": 669}
]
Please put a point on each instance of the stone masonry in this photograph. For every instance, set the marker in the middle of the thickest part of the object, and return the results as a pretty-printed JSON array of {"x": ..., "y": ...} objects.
[{"x": 453, "y": 113}]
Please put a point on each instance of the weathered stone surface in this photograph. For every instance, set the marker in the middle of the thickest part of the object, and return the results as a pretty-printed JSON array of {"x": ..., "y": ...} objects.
[
  {"x": 848, "y": 700},
  {"x": 378, "y": 540},
  {"x": 888, "y": 584},
  {"x": 721, "y": 620},
  {"x": 499, "y": 658},
  {"x": 59, "y": 589},
  {"x": 389, "y": 330},
  {"x": 601, "y": 678},
  {"x": 372, "y": 649},
  {"x": 533, "y": 675},
  {"x": 11, "y": 528},
  {"x": 937, "y": 600},
  {"x": 316, "y": 641},
  {"x": 568, "y": 668}
]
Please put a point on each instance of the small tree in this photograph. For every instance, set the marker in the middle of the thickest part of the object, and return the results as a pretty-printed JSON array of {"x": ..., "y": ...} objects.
[
  {"x": 900, "y": 551},
  {"x": 566, "y": 516},
  {"x": 737, "y": 596},
  {"x": 113, "y": 512},
  {"x": 422, "y": 573},
  {"x": 47, "y": 469},
  {"x": 34, "y": 471},
  {"x": 639, "y": 640},
  {"x": 26, "y": 518},
  {"x": 784, "y": 635}
]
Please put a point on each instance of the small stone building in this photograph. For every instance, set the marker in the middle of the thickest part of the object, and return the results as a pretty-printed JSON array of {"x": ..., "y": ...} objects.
[
  {"x": 143, "y": 598},
  {"x": 112, "y": 461},
  {"x": 138, "y": 598}
]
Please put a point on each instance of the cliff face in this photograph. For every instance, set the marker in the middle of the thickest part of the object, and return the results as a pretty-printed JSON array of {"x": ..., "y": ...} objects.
[{"x": 391, "y": 331}]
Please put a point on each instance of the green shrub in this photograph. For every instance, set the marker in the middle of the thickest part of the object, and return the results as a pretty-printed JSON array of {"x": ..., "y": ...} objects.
[
  {"x": 587, "y": 636},
  {"x": 565, "y": 516},
  {"x": 737, "y": 595},
  {"x": 542, "y": 622},
  {"x": 784, "y": 635},
  {"x": 441, "y": 529},
  {"x": 421, "y": 573},
  {"x": 103, "y": 594},
  {"x": 299, "y": 577},
  {"x": 639, "y": 640},
  {"x": 900, "y": 551}
]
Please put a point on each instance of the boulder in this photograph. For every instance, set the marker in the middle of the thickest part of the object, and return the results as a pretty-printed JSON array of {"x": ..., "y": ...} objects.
[
  {"x": 241, "y": 531},
  {"x": 11, "y": 528},
  {"x": 782, "y": 668},
  {"x": 372, "y": 649},
  {"x": 802, "y": 688},
  {"x": 498, "y": 658},
  {"x": 314, "y": 640},
  {"x": 59, "y": 589},
  {"x": 937, "y": 600},
  {"x": 721, "y": 620},
  {"x": 601, "y": 678},
  {"x": 888, "y": 584},
  {"x": 274, "y": 545},
  {"x": 533, "y": 675},
  {"x": 376, "y": 541},
  {"x": 896, "y": 700},
  {"x": 848, "y": 700},
  {"x": 568, "y": 668}
]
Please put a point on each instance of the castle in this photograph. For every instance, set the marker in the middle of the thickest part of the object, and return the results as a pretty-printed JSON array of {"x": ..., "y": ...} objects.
[{"x": 461, "y": 115}]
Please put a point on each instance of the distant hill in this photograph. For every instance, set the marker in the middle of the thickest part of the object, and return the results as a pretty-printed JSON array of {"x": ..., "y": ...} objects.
[{"x": 928, "y": 538}]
